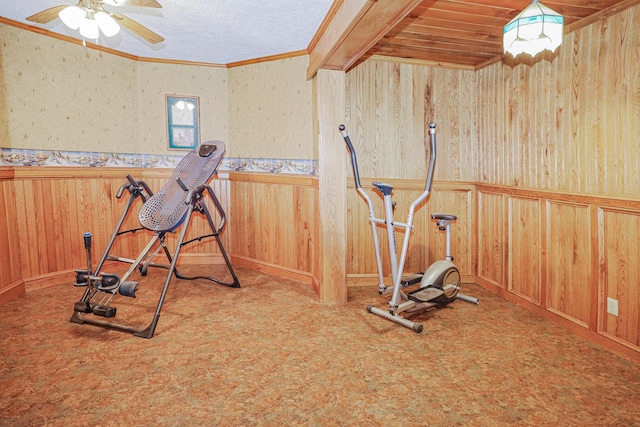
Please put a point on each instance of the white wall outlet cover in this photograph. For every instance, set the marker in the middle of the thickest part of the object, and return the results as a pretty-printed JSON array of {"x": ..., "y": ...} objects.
[{"x": 612, "y": 306}]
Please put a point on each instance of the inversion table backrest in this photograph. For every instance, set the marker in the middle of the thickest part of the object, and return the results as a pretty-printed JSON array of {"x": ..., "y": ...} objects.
[{"x": 166, "y": 209}]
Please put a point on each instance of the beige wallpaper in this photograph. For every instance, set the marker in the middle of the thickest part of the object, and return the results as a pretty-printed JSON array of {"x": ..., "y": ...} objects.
[
  {"x": 56, "y": 95},
  {"x": 156, "y": 80},
  {"x": 271, "y": 110}
]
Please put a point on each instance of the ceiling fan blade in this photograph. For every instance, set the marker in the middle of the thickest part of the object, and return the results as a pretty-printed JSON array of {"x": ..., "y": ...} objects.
[
  {"x": 135, "y": 3},
  {"x": 46, "y": 15},
  {"x": 143, "y": 3},
  {"x": 139, "y": 29}
]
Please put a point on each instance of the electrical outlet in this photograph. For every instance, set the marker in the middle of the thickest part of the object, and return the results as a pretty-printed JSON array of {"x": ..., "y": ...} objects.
[{"x": 612, "y": 306}]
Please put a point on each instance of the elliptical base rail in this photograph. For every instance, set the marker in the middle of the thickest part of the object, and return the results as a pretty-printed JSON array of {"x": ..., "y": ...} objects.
[{"x": 416, "y": 327}]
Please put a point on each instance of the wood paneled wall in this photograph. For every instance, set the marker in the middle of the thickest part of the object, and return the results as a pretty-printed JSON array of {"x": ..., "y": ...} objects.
[
  {"x": 11, "y": 283},
  {"x": 563, "y": 256},
  {"x": 618, "y": 236},
  {"x": 568, "y": 122},
  {"x": 426, "y": 244},
  {"x": 388, "y": 110},
  {"x": 54, "y": 206},
  {"x": 559, "y": 173},
  {"x": 273, "y": 223}
]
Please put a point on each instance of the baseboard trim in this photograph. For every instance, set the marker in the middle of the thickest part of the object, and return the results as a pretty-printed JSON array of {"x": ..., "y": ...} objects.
[
  {"x": 194, "y": 259},
  {"x": 277, "y": 270},
  {"x": 12, "y": 291},
  {"x": 50, "y": 279}
]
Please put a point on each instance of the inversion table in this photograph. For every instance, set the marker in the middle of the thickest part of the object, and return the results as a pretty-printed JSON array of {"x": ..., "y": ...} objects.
[{"x": 161, "y": 213}]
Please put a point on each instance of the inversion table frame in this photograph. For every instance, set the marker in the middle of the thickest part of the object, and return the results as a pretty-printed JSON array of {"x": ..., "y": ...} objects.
[{"x": 161, "y": 213}]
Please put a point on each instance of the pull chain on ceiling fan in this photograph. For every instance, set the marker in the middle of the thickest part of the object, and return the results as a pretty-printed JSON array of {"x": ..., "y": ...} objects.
[{"x": 90, "y": 18}]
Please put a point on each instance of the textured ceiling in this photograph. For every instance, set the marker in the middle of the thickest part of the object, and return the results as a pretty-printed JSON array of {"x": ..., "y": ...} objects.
[
  {"x": 210, "y": 31},
  {"x": 465, "y": 33}
]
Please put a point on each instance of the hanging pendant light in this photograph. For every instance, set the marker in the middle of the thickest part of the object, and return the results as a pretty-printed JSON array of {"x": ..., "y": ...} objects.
[{"x": 535, "y": 29}]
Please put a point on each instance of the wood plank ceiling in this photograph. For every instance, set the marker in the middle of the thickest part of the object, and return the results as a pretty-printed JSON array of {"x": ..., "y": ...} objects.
[{"x": 468, "y": 34}]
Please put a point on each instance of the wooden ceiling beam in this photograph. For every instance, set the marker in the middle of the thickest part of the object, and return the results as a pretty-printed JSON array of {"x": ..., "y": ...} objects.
[
  {"x": 446, "y": 27},
  {"x": 421, "y": 39},
  {"x": 435, "y": 55},
  {"x": 442, "y": 32},
  {"x": 352, "y": 27},
  {"x": 440, "y": 46},
  {"x": 612, "y": 10}
]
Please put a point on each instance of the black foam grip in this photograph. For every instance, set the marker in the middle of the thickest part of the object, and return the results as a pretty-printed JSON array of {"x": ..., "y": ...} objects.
[{"x": 87, "y": 240}]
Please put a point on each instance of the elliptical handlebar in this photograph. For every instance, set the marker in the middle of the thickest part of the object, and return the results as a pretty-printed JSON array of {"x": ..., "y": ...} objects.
[
  {"x": 354, "y": 161},
  {"x": 432, "y": 156},
  {"x": 397, "y": 265}
]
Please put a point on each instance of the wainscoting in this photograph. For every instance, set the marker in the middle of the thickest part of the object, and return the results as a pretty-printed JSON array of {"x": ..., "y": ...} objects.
[
  {"x": 11, "y": 282},
  {"x": 273, "y": 224},
  {"x": 49, "y": 208},
  {"x": 270, "y": 223},
  {"x": 427, "y": 243},
  {"x": 560, "y": 255}
]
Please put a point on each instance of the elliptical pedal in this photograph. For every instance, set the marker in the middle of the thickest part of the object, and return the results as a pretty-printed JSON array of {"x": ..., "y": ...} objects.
[
  {"x": 411, "y": 280},
  {"x": 426, "y": 294}
]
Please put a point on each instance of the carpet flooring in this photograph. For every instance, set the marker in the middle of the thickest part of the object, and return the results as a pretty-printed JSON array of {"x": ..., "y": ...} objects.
[{"x": 269, "y": 354}]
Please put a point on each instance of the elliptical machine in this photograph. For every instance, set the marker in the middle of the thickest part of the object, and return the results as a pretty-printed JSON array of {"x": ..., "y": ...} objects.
[{"x": 440, "y": 284}]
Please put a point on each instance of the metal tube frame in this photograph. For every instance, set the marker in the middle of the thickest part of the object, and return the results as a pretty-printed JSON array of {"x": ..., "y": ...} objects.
[
  {"x": 399, "y": 301},
  {"x": 194, "y": 198}
]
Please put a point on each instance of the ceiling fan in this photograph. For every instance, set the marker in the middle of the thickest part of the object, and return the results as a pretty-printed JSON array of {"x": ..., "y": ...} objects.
[{"x": 90, "y": 18}]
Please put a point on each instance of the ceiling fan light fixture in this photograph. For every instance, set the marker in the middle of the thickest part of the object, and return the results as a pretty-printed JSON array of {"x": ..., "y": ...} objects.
[
  {"x": 72, "y": 16},
  {"x": 89, "y": 21},
  {"x": 107, "y": 24},
  {"x": 89, "y": 28},
  {"x": 533, "y": 30}
]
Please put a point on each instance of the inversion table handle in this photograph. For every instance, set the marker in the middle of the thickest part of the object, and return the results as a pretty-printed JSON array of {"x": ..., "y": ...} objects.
[
  {"x": 135, "y": 187},
  {"x": 196, "y": 192},
  {"x": 193, "y": 192}
]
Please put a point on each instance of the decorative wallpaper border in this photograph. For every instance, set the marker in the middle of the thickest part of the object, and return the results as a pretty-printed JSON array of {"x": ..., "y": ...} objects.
[{"x": 27, "y": 157}]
